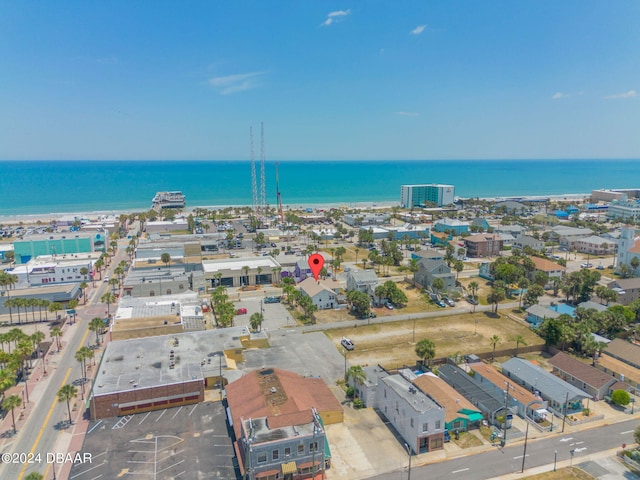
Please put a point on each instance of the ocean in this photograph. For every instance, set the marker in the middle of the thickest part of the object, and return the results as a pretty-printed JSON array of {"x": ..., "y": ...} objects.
[{"x": 43, "y": 187}]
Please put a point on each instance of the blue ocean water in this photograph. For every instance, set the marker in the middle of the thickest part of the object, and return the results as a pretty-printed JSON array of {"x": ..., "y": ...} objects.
[{"x": 39, "y": 187}]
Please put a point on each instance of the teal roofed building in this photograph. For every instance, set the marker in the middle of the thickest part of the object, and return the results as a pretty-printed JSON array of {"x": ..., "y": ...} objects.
[{"x": 37, "y": 245}]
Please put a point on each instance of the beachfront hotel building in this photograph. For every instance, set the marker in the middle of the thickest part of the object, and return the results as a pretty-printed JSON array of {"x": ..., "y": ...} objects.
[{"x": 417, "y": 195}]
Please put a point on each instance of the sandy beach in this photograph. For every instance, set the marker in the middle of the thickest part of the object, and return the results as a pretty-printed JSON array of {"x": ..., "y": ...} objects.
[{"x": 110, "y": 214}]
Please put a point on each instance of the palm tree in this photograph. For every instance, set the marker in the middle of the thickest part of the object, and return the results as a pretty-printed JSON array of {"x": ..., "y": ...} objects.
[
  {"x": 9, "y": 403},
  {"x": 495, "y": 340},
  {"x": 83, "y": 290},
  {"x": 84, "y": 271},
  {"x": 519, "y": 341},
  {"x": 34, "y": 476},
  {"x": 473, "y": 288},
  {"x": 437, "y": 285},
  {"x": 256, "y": 321},
  {"x": 95, "y": 325},
  {"x": 357, "y": 374},
  {"x": 66, "y": 394},
  {"x": 246, "y": 273},
  {"x": 56, "y": 333},
  {"x": 426, "y": 349},
  {"x": 108, "y": 298}
]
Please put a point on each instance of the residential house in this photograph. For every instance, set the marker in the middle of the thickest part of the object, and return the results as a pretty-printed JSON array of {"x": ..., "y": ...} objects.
[
  {"x": 417, "y": 418},
  {"x": 362, "y": 280},
  {"x": 537, "y": 313},
  {"x": 628, "y": 289},
  {"x": 428, "y": 253},
  {"x": 483, "y": 245},
  {"x": 552, "y": 269},
  {"x": 579, "y": 374},
  {"x": 459, "y": 413},
  {"x": 524, "y": 241},
  {"x": 323, "y": 293},
  {"x": 451, "y": 225},
  {"x": 526, "y": 403},
  {"x": 562, "y": 396},
  {"x": 506, "y": 238},
  {"x": 513, "y": 229},
  {"x": 484, "y": 271},
  {"x": 479, "y": 224},
  {"x": 483, "y": 396},
  {"x": 302, "y": 270},
  {"x": 624, "y": 351},
  {"x": 441, "y": 239},
  {"x": 429, "y": 270},
  {"x": 628, "y": 376},
  {"x": 598, "y": 307},
  {"x": 594, "y": 245}
]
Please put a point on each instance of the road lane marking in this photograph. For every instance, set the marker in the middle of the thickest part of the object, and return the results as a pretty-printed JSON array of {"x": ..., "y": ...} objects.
[
  {"x": 520, "y": 456},
  {"x": 566, "y": 439},
  {"x": 44, "y": 424},
  {"x": 628, "y": 431},
  {"x": 460, "y": 471}
]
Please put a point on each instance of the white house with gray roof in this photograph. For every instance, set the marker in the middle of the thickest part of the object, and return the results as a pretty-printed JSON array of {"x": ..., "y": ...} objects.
[
  {"x": 362, "y": 280},
  {"x": 561, "y": 396}
]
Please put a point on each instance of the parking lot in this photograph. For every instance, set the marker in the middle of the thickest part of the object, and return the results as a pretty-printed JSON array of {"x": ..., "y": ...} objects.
[
  {"x": 275, "y": 314},
  {"x": 190, "y": 442}
]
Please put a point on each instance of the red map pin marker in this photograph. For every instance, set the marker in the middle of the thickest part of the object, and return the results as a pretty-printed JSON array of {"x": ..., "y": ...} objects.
[{"x": 316, "y": 262}]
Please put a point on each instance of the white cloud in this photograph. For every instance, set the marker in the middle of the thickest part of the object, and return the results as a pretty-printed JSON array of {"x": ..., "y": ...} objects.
[
  {"x": 418, "y": 30},
  {"x": 558, "y": 95},
  {"x": 407, "y": 114},
  {"x": 235, "y": 83},
  {"x": 629, "y": 94},
  {"x": 335, "y": 16}
]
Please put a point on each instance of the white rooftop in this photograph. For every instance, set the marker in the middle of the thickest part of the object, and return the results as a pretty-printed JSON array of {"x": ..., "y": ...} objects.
[{"x": 211, "y": 266}]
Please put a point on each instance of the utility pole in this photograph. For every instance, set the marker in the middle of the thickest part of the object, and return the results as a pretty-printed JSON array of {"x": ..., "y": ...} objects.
[
  {"x": 564, "y": 411},
  {"x": 408, "y": 448},
  {"x": 524, "y": 453},
  {"x": 506, "y": 414}
]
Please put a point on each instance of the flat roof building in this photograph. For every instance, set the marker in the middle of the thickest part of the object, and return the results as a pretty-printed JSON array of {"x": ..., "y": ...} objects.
[
  {"x": 426, "y": 194},
  {"x": 152, "y": 373}
]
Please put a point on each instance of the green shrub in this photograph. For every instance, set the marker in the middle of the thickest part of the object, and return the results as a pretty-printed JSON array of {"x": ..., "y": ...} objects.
[
  {"x": 351, "y": 392},
  {"x": 620, "y": 397},
  {"x": 358, "y": 403}
]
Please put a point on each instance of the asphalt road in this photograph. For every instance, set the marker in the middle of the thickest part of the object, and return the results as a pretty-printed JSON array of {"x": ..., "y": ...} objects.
[
  {"x": 498, "y": 462},
  {"x": 47, "y": 420}
]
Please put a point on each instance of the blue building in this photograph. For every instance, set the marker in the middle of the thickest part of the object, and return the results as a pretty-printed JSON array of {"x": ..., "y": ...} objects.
[{"x": 451, "y": 225}]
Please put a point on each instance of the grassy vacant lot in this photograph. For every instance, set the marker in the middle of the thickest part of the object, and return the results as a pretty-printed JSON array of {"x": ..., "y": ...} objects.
[
  {"x": 417, "y": 302},
  {"x": 393, "y": 344},
  {"x": 570, "y": 473}
]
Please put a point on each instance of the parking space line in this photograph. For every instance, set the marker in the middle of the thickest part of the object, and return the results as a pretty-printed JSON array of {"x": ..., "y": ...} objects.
[
  {"x": 94, "y": 427},
  {"x": 174, "y": 415},
  {"x": 88, "y": 470},
  {"x": 171, "y": 466},
  {"x": 163, "y": 412},
  {"x": 144, "y": 418},
  {"x": 194, "y": 409}
]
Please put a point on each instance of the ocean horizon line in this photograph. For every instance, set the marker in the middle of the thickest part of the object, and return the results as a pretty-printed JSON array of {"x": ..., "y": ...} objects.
[{"x": 271, "y": 160}]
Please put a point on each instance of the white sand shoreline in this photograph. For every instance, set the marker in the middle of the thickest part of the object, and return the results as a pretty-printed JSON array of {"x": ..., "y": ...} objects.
[{"x": 104, "y": 214}]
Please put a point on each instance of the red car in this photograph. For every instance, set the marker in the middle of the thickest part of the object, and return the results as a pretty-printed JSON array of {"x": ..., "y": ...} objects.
[{"x": 241, "y": 311}]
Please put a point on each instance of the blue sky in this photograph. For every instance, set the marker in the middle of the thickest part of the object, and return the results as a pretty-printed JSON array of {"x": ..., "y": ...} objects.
[{"x": 330, "y": 80}]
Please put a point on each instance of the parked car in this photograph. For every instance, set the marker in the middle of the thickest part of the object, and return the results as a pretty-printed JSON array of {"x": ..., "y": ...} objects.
[
  {"x": 241, "y": 311},
  {"x": 472, "y": 300},
  {"x": 440, "y": 303},
  {"x": 389, "y": 306},
  {"x": 447, "y": 437},
  {"x": 586, "y": 265},
  {"x": 448, "y": 301},
  {"x": 272, "y": 300},
  {"x": 369, "y": 315},
  {"x": 347, "y": 344},
  {"x": 600, "y": 267}
]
